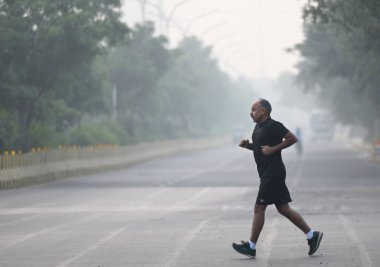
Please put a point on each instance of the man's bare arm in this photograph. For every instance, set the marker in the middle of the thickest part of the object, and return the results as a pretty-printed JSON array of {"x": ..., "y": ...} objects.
[{"x": 289, "y": 139}]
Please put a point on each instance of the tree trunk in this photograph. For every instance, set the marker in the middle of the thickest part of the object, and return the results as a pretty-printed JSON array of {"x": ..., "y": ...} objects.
[{"x": 25, "y": 118}]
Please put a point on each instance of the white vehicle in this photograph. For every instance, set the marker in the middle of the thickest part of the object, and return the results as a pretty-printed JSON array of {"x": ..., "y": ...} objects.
[{"x": 322, "y": 125}]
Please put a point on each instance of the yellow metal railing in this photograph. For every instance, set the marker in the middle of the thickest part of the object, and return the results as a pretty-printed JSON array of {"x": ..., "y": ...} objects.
[
  {"x": 15, "y": 159},
  {"x": 43, "y": 164}
]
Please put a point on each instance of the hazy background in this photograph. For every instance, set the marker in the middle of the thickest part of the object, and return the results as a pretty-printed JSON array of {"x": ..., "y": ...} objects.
[
  {"x": 101, "y": 91},
  {"x": 131, "y": 71},
  {"x": 249, "y": 37}
]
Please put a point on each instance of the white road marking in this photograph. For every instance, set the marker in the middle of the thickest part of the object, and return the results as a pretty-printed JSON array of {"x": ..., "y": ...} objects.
[
  {"x": 184, "y": 242},
  {"x": 25, "y": 238},
  {"x": 185, "y": 205},
  {"x": 269, "y": 238},
  {"x": 151, "y": 198},
  {"x": 91, "y": 248},
  {"x": 294, "y": 182},
  {"x": 196, "y": 196},
  {"x": 33, "y": 235},
  {"x": 236, "y": 207},
  {"x": 19, "y": 220},
  {"x": 197, "y": 173},
  {"x": 345, "y": 208},
  {"x": 316, "y": 208},
  {"x": 364, "y": 256}
]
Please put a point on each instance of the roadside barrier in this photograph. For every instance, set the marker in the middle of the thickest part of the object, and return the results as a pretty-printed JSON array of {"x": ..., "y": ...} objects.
[{"x": 42, "y": 165}]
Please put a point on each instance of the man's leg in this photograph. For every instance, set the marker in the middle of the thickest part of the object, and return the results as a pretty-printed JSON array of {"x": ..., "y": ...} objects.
[
  {"x": 249, "y": 248},
  {"x": 313, "y": 237},
  {"x": 293, "y": 216},
  {"x": 258, "y": 222}
]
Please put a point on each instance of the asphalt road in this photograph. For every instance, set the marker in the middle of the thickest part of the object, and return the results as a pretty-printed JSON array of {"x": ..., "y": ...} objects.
[{"x": 186, "y": 210}]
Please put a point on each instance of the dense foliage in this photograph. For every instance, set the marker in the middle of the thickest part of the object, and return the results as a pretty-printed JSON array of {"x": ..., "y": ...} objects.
[
  {"x": 342, "y": 57},
  {"x": 61, "y": 62},
  {"x": 46, "y": 60}
]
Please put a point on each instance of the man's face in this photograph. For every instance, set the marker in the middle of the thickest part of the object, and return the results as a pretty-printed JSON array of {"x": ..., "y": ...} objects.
[{"x": 257, "y": 112}]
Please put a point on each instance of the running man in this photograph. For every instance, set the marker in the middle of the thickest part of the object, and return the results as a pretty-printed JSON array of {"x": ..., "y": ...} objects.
[{"x": 268, "y": 139}]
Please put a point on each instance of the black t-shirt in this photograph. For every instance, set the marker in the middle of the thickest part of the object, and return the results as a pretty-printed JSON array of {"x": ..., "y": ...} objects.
[{"x": 269, "y": 133}]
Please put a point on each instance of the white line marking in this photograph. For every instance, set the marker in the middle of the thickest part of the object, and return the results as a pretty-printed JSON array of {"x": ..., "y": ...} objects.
[
  {"x": 32, "y": 235},
  {"x": 272, "y": 229},
  {"x": 294, "y": 182},
  {"x": 235, "y": 207},
  {"x": 93, "y": 247},
  {"x": 364, "y": 256},
  {"x": 184, "y": 242},
  {"x": 197, "y": 196},
  {"x": 185, "y": 204},
  {"x": 19, "y": 220},
  {"x": 200, "y": 172},
  {"x": 345, "y": 208},
  {"x": 25, "y": 238},
  {"x": 150, "y": 198}
]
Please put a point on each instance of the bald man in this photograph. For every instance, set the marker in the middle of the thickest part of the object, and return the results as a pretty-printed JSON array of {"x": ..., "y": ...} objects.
[{"x": 268, "y": 139}]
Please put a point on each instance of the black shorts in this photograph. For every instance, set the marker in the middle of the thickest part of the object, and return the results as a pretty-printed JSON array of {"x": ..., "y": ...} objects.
[{"x": 273, "y": 190}]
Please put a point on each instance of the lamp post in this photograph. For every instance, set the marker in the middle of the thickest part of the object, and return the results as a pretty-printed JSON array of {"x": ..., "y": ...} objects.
[
  {"x": 167, "y": 19},
  {"x": 161, "y": 7},
  {"x": 143, "y": 4},
  {"x": 171, "y": 15},
  {"x": 114, "y": 102},
  {"x": 198, "y": 18},
  {"x": 212, "y": 27}
]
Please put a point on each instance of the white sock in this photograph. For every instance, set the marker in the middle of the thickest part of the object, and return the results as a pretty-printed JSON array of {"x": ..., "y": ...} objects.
[
  {"x": 309, "y": 235},
  {"x": 252, "y": 245}
]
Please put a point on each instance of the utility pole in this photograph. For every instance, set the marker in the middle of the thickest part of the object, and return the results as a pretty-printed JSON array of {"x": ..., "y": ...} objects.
[
  {"x": 114, "y": 102},
  {"x": 161, "y": 21},
  {"x": 170, "y": 16},
  {"x": 143, "y": 4}
]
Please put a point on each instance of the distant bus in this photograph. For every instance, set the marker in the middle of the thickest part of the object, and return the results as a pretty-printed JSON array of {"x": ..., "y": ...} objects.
[{"x": 322, "y": 125}]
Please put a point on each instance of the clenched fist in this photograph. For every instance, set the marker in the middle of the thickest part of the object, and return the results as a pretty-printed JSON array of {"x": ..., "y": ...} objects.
[
  {"x": 267, "y": 150},
  {"x": 244, "y": 143}
]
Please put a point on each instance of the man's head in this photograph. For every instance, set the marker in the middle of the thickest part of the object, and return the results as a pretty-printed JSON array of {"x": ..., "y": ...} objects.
[{"x": 261, "y": 110}]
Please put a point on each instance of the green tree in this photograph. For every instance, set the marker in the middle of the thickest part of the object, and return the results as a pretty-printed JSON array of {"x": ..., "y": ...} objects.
[
  {"x": 199, "y": 91},
  {"x": 135, "y": 67},
  {"x": 47, "y": 48},
  {"x": 171, "y": 93},
  {"x": 342, "y": 57}
]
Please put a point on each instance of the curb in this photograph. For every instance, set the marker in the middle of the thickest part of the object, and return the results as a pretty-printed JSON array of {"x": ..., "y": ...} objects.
[{"x": 95, "y": 162}]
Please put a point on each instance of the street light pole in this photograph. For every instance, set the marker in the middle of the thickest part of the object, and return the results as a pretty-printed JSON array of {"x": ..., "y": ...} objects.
[
  {"x": 114, "y": 102},
  {"x": 142, "y": 6},
  {"x": 171, "y": 15},
  {"x": 211, "y": 28},
  {"x": 160, "y": 8},
  {"x": 196, "y": 19}
]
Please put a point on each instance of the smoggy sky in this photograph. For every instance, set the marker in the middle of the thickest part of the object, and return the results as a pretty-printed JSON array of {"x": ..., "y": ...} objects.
[{"x": 249, "y": 37}]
